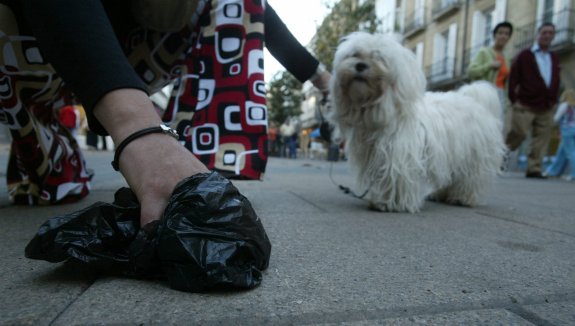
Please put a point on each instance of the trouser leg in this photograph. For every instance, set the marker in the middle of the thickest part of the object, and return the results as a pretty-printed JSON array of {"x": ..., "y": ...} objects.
[
  {"x": 558, "y": 165},
  {"x": 570, "y": 153},
  {"x": 521, "y": 121},
  {"x": 541, "y": 134},
  {"x": 45, "y": 165}
]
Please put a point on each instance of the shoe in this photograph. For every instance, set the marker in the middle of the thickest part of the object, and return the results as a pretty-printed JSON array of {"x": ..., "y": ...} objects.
[
  {"x": 535, "y": 175},
  {"x": 568, "y": 178}
]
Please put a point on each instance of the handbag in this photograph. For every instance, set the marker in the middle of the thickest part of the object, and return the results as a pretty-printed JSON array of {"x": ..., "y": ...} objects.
[{"x": 164, "y": 15}]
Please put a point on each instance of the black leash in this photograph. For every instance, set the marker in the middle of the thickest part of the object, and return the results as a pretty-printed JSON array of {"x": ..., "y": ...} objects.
[
  {"x": 325, "y": 130},
  {"x": 347, "y": 190}
]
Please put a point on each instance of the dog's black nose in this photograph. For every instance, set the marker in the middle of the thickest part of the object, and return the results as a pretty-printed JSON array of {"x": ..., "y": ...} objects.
[{"x": 360, "y": 66}]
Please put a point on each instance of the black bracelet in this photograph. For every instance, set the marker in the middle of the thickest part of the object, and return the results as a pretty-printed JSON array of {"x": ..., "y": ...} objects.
[{"x": 163, "y": 129}]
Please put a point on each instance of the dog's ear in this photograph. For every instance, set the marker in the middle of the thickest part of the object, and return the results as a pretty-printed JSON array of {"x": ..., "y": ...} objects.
[{"x": 351, "y": 36}]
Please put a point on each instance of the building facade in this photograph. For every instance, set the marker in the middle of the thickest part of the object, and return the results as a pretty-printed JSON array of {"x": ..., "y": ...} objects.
[{"x": 445, "y": 34}]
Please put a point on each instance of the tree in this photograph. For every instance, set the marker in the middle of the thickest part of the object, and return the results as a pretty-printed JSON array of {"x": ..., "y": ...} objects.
[
  {"x": 284, "y": 97},
  {"x": 346, "y": 16}
]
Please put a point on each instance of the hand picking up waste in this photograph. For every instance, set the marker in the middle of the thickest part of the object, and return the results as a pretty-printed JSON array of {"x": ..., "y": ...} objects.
[{"x": 208, "y": 238}]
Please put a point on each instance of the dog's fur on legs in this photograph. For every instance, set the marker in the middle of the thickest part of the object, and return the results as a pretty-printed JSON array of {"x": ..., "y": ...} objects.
[{"x": 407, "y": 144}]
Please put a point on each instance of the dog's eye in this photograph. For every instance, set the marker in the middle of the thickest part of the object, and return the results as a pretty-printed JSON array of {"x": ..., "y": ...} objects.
[
  {"x": 341, "y": 40},
  {"x": 377, "y": 56}
]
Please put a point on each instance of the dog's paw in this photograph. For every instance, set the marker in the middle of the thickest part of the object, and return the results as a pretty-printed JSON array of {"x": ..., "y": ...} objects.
[
  {"x": 458, "y": 202},
  {"x": 378, "y": 207}
]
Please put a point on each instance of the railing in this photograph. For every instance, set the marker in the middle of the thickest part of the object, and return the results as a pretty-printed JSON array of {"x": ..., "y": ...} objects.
[
  {"x": 414, "y": 22},
  {"x": 392, "y": 22},
  {"x": 564, "y": 32},
  {"x": 442, "y": 7},
  {"x": 440, "y": 71}
]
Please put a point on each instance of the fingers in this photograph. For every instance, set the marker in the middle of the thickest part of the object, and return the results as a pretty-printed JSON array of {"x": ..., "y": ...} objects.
[{"x": 153, "y": 165}]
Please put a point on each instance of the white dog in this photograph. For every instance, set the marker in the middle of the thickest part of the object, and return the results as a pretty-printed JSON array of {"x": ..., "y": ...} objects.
[{"x": 407, "y": 144}]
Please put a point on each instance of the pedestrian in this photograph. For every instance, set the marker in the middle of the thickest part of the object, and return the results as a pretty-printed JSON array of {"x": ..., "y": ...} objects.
[
  {"x": 565, "y": 155},
  {"x": 288, "y": 132},
  {"x": 304, "y": 141},
  {"x": 533, "y": 92},
  {"x": 111, "y": 55},
  {"x": 491, "y": 64},
  {"x": 92, "y": 140}
]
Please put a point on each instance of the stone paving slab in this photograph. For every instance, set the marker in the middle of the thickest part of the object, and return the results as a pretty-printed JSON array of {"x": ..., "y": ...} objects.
[
  {"x": 560, "y": 313},
  {"x": 479, "y": 317},
  {"x": 35, "y": 292}
]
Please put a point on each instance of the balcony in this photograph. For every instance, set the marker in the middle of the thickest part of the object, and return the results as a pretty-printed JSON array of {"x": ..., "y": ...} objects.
[
  {"x": 392, "y": 22},
  {"x": 441, "y": 73},
  {"x": 414, "y": 22},
  {"x": 564, "y": 33},
  {"x": 444, "y": 7}
]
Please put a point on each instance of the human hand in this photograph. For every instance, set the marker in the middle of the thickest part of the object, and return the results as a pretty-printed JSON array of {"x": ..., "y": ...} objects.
[
  {"x": 322, "y": 82},
  {"x": 495, "y": 65},
  {"x": 153, "y": 164}
]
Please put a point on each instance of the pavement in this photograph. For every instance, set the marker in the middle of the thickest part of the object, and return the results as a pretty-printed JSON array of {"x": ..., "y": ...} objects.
[{"x": 509, "y": 261}]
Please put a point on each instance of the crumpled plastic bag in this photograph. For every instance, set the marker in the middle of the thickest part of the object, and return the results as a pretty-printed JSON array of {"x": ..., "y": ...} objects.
[{"x": 209, "y": 237}]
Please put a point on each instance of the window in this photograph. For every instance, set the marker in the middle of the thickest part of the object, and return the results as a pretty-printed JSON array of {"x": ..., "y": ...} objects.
[
  {"x": 385, "y": 11},
  {"x": 419, "y": 12},
  {"x": 557, "y": 12},
  {"x": 547, "y": 11},
  {"x": 488, "y": 14},
  {"x": 444, "y": 54},
  {"x": 482, "y": 28}
]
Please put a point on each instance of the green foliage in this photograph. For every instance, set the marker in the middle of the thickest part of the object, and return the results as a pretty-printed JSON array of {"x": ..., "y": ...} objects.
[
  {"x": 284, "y": 97},
  {"x": 346, "y": 16}
]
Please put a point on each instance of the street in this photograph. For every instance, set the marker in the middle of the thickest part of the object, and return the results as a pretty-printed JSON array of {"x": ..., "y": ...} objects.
[{"x": 509, "y": 261}]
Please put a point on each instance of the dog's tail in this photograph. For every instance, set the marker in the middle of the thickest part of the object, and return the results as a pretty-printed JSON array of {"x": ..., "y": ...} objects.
[{"x": 485, "y": 94}]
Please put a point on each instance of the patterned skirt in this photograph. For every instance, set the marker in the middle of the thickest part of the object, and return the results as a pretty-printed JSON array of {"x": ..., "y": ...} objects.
[{"x": 218, "y": 104}]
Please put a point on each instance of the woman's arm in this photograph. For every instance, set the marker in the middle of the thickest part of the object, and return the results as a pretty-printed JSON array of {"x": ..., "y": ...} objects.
[
  {"x": 77, "y": 38},
  {"x": 480, "y": 65},
  {"x": 286, "y": 48},
  {"x": 291, "y": 54}
]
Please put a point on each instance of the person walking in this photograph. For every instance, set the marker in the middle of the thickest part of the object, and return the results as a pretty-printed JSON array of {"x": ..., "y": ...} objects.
[
  {"x": 273, "y": 139},
  {"x": 288, "y": 132},
  {"x": 491, "y": 64},
  {"x": 565, "y": 155},
  {"x": 533, "y": 92},
  {"x": 92, "y": 140}
]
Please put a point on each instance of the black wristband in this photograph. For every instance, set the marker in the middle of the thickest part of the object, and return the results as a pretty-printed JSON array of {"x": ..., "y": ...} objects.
[{"x": 163, "y": 129}]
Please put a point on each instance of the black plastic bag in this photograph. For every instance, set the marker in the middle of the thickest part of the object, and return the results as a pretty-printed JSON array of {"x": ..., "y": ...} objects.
[{"x": 209, "y": 237}]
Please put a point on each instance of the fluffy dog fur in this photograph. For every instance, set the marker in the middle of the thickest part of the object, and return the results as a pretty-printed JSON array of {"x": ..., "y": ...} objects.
[{"x": 407, "y": 144}]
